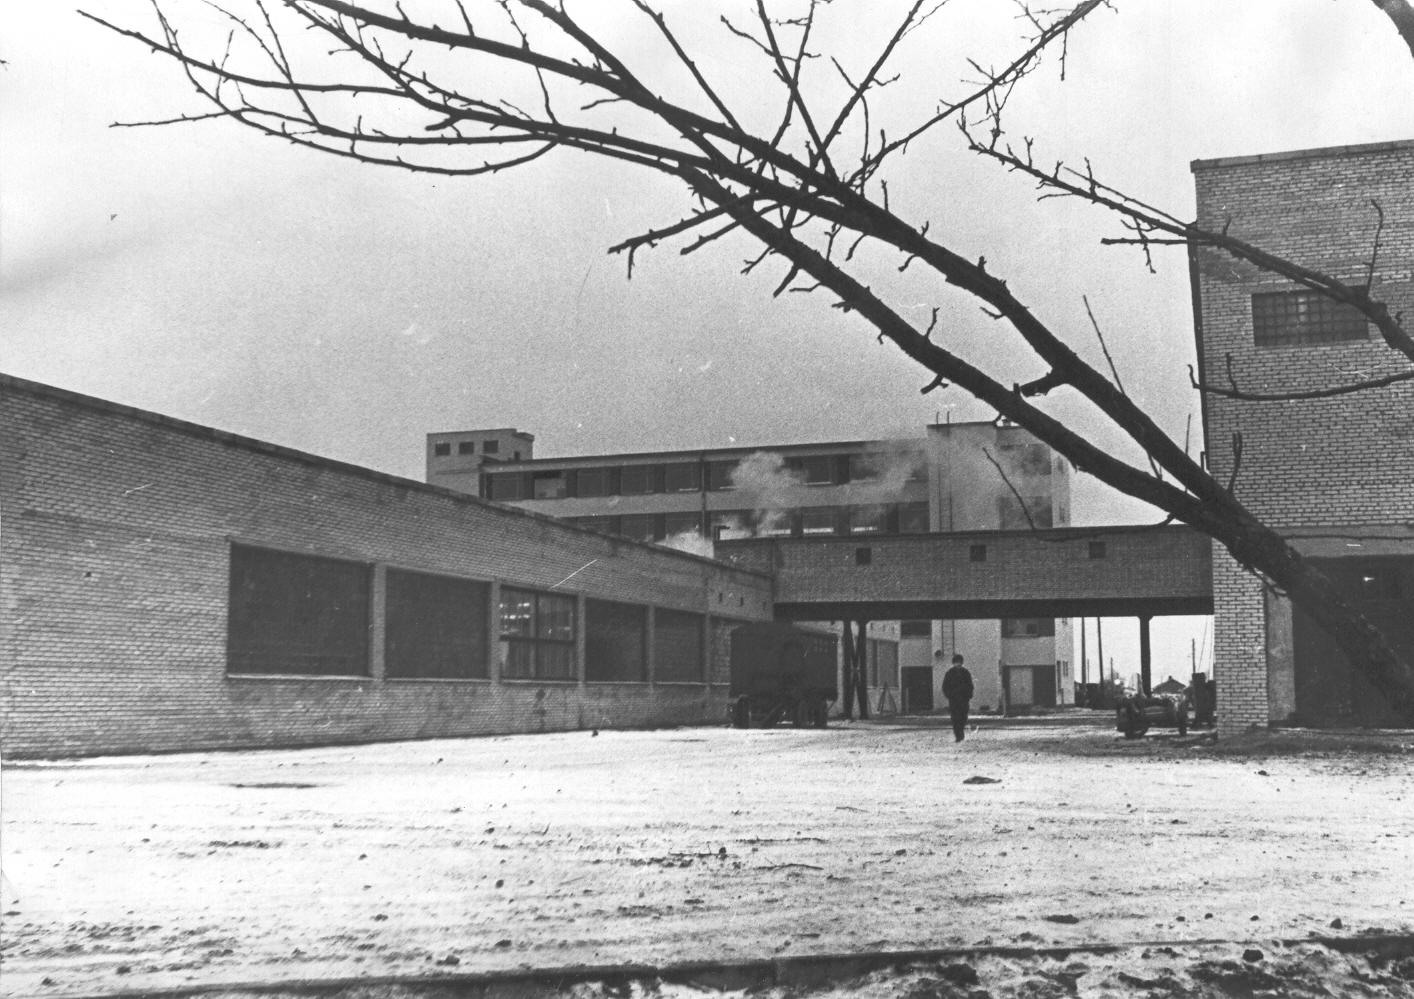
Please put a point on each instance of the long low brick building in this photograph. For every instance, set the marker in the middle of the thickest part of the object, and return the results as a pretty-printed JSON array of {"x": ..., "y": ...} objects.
[{"x": 165, "y": 586}]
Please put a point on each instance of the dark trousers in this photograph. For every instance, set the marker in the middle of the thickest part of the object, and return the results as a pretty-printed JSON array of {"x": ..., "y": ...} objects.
[{"x": 958, "y": 710}]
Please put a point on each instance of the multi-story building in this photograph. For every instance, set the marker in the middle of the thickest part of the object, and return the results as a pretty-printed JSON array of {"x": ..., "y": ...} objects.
[
  {"x": 1335, "y": 474},
  {"x": 957, "y": 477}
]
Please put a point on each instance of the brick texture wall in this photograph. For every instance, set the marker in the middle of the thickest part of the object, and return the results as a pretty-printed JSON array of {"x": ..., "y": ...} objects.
[
  {"x": 1347, "y": 459},
  {"x": 115, "y": 528},
  {"x": 1344, "y": 463}
]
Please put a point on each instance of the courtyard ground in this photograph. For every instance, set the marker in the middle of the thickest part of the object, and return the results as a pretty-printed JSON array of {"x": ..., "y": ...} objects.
[{"x": 1081, "y": 863}]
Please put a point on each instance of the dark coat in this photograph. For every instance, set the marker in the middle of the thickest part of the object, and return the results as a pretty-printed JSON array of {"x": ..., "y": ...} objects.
[{"x": 957, "y": 684}]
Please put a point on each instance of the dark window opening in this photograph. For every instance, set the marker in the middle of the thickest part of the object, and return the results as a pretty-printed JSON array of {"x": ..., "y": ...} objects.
[
  {"x": 682, "y": 477},
  {"x": 913, "y": 518},
  {"x": 492, "y": 447},
  {"x": 435, "y": 627},
  {"x": 915, "y": 629},
  {"x": 505, "y": 487},
  {"x": 537, "y": 634},
  {"x": 637, "y": 480},
  {"x": 466, "y": 447},
  {"x": 297, "y": 615},
  {"x": 978, "y": 553},
  {"x": 818, "y": 470},
  {"x": 615, "y": 642},
  {"x": 1028, "y": 627},
  {"x": 442, "y": 450},
  {"x": 1098, "y": 549},
  {"x": 677, "y": 646},
  {"x": 1293, "y": 318},
  {"x": 592, "y": 482},
  {"x": 719, "y": 475},
  {"x": 549, "y": 485},
  {"x": 863, "y": 556}
]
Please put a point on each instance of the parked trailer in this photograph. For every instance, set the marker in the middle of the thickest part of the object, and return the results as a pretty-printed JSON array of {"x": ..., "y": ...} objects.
[{"x": 782, "y": 672}]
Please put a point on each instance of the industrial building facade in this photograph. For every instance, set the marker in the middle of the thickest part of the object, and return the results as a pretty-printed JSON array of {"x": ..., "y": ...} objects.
[
  {"x": 1334, "y": 474},
  {"x": 957, "y": 477},
  {"x": 165, "y": 586}
]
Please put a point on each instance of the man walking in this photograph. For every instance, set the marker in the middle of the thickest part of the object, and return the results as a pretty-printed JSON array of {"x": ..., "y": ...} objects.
[{"x": 957, "y": 688}]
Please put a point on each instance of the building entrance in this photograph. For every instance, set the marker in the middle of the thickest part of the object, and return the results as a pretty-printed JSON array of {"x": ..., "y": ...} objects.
[
  {"x": 1031, "y": 686},
  {"x": 916, "y": 688},
  {"x": 1328, "y": 690}
]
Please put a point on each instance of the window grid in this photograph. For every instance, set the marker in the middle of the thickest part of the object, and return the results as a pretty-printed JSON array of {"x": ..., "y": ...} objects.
[{"x": 1294, "y": 318}]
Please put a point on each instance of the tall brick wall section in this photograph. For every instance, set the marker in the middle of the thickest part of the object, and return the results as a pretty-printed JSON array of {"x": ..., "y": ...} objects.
[
  {"x": 1343, "y": 463},
  {"x": 1343, "y": 460},
  {"x": 115, "y": 531}
]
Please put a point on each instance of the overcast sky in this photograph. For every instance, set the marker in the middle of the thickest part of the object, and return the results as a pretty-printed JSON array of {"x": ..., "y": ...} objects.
[{"x": 209, "y": 274}]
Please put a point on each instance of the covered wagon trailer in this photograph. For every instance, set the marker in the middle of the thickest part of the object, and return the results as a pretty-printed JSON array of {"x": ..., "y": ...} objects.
[{"x": 782, "y": 672}]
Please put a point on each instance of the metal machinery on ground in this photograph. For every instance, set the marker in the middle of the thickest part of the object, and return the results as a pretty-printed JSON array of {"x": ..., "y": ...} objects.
[{"x": 782, "y": 672}]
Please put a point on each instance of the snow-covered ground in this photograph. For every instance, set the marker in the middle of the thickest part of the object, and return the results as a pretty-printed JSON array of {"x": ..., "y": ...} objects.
[{"x": 713, "y": 844}]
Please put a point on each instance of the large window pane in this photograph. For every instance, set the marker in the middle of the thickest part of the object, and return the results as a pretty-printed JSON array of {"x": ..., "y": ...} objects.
[
  {"x": 677, "y": 646},
  {"x": 296, "y": 614},
  {"x": 683, "y": 476},
  {"x": 537, "y": 633},
  {"x": 435, "y": 626},
  {"x": 615, "y": 641},
  {"x": 636, "y": 480}
]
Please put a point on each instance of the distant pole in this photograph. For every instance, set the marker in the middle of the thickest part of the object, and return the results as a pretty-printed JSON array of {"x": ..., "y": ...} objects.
[
  {"x": 1100, "y": 645},
  {"x": 1084, "y": 666},
  {"x": 1192, "y": 656}
]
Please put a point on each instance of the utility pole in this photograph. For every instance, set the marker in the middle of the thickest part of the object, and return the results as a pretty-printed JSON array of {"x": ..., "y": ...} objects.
[
  {"x": 1084, "y": 666},
  {"x": 1100, "y": 646}
]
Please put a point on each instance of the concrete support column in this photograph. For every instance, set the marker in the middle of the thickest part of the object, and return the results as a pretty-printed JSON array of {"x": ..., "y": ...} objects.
[{"x": 1146, "y": 679}]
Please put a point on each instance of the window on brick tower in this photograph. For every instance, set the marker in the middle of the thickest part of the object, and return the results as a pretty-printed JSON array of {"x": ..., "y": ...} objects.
[{"x": 1298, "y": 318}]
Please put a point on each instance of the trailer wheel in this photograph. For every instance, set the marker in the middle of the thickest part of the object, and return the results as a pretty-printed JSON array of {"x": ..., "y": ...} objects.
[{"x": 741, "y": 713}]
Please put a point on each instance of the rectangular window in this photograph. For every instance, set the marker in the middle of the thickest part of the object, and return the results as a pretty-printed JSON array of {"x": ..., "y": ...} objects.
[
  {"x": 492, "y": 447},
  {"x": 864, "y": 556},
  {"x": 538, "y": 634},
  {"x": 638, "y": 480},
  {"x": 865, "y": 467},
  {"x": 505, "y": 488},
  {"x": 1028, "y": 627},
  {"x": 818, "y": 521},
  {"x": 915, "y": 629},
  {"x": 868, "y": 520},
  {"x": 913, "y": 518},
  {"x": 615, "y": 642},
  {"x": 675, "y": 524},
  {"x": 442, "y": 450},
  {"x": 1296, "y": 318},
  {"x": 682, "y": 477},
  {"x": 296, "y": 615},
  {"x": 466, "y": 447},
  {"x": 977, "y": 553},
  {"x": 719, "y": 475},
  {"x": 677, "y": 646},
  {"x": 436, "y": 627},
  {"x": 818, "y": 470},
  {"x": 549, "y": 485},
  {"x": 591, "y": 482},
  {"x": 1098, "y": 550}
]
